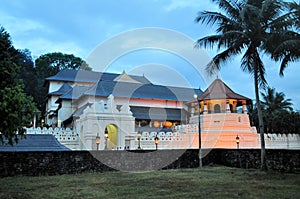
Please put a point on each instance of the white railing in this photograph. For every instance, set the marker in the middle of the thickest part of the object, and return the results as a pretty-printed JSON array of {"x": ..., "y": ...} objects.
[
  {"x": 184, "y": 137},
  {"x": 282, "y": 141},
  {"x": 61, "y": 134}
]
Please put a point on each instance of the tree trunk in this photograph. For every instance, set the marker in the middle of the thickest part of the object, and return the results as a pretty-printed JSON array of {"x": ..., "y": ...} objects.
[{"x": 263, "y": 165}]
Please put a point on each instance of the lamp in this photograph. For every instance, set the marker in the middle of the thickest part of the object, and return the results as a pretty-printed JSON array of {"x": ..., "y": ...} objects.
[
  {"x": 156, "y": 142},
  {"x": 106, "y": 137},
  {"x": 97, "y": 141},
  {"x": 139, "y": 135},
  {"x": 237, "y": 140},
  {"x": 199, "y": 130}
]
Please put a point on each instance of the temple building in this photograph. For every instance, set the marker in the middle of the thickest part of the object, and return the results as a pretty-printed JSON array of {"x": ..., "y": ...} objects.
[
  {"x": 128, "y": 112},
  {"x": 92, "y": 103},
  {"x": 89, "y": 110}
]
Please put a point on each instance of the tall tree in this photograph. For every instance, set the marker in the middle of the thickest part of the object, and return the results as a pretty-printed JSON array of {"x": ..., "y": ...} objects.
[
  {"x": 48, "y": 65},
  {"x": 16, "y": 108},
  {"x": 276, "y": 111},
  {"x": 245, "y": 27},
  {"x": 28, "y": 73}
]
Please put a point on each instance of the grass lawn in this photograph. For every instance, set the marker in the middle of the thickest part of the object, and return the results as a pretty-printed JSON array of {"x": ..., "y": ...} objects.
[{"x": 210, "y": 182}]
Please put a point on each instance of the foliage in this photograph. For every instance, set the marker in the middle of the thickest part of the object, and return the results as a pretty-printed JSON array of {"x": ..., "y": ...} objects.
[
  {"x": 28, "y": 74},
  {"x": 48, "y": 65},
  {"x": 16, "y": 111},
  {"x": 16, "y": 108},
  {"x": 278, "y": 113},
  {"x": 51, "y": 63},
  {"x": 285, "y": 46},
  {"x": 247, "y": 27}
]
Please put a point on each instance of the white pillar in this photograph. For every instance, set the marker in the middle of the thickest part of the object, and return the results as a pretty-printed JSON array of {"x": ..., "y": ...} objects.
[
  {"x": 227, "y": 107},
  {"x": 34, "y": 121},
  {"x": 245, "y": 109},
  {"x": 205, "y": 109}
]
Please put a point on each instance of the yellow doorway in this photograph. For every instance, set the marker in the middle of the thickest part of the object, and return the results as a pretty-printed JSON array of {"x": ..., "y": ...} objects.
[{"x": 112, "y": 136}]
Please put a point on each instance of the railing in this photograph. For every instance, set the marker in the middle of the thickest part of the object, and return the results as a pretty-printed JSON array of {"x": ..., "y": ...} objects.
[
  {"x": 61, "y": 134},
  {"x": 183, "y": 137}
]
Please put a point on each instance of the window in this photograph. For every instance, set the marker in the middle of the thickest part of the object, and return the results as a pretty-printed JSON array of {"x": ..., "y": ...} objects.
[{"x": 217, "y": 108}]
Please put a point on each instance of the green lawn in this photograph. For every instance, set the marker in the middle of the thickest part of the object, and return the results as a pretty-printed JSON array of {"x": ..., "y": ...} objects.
[{"x": 210, "y": 182}]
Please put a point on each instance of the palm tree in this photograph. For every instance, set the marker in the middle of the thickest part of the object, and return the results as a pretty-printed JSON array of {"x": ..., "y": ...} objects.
[
  {"x": 245, "y": 27},
  {"x": 277, "y": 111},
  {"x": 284, "y": 46},
  {"x": 275, "y": 101}
]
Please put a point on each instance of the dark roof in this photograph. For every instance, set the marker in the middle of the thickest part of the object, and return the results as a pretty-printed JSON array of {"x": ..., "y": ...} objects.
[
  {"x": 146, "y": 91},
  {"x": 73, "y": 93},
  {"x": 219, "y": 90},
  {"x": 36, "y": 142},
  {"x": 71, "y": 75},
  {"x": 76, "y": 114},
  {"x": 62, "y": 90},
  {"x": 151, "y": 113},
  {"x": 80, "y": 110}
]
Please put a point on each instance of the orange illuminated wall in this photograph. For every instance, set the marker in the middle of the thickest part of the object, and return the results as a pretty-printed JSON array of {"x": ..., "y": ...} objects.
[{"x": 220, "y": 131}]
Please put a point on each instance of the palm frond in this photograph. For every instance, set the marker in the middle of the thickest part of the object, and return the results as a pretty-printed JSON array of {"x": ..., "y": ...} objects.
[
  {"x": 208, "y": 41},
  {"x": 252, "y": 63},
  {"x": 222, "y": 57},
  {"x": 271, "y": 9},
  {"x": 232, "y": 8},
  {"x": 210, "y": 18},
  {"x": 283, "y": 22}
]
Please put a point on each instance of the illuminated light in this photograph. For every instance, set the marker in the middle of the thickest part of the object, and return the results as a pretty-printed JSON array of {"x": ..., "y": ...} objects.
[
  {"x": 168, "y": 124},
  {"x": 237, "y": 139},
  {"x": 106, "y": 133},
  {"x": 97, "y": 139},
  {"x": 156, "y": 140},
  {"x": 156, "y": 124}
]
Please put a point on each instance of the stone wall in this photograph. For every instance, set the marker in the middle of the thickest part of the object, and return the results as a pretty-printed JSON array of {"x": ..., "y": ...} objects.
[{"x": 71, "y": 162}]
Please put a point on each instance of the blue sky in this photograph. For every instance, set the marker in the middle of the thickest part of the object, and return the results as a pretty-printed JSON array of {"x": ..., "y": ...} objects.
[{"x": 78, "y": 27}]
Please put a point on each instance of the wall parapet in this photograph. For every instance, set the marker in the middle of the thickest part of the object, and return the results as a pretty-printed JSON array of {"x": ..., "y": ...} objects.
[
  {"x": 65, "y": 136},
  {"x": 183, "y": 137},
  {"x": 72, "y": 162}
]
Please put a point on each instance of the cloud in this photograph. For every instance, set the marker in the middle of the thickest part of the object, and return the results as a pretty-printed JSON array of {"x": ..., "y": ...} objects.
[
  {"x": 178, "y": 4},
  {"x": 21, "y": 26},
  {"x": 40, "y": 46}
]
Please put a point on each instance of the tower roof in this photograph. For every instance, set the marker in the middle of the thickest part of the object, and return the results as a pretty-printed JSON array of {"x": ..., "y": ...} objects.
[{"x": 219, "y": 90}]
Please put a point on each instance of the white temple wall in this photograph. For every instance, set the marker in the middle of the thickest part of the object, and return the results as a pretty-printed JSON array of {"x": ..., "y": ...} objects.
[
  {"x": 65, "y": 111},
  {"x": 54, "y": 86}
]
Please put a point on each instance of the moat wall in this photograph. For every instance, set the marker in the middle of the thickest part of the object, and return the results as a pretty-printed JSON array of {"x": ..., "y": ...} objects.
[{"x": 72, "y": 162}]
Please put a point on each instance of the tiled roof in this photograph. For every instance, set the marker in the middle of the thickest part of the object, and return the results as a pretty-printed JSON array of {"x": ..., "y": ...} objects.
[
  {"x": 69, "y": 75},
  {"x": 36, "y": 142},
  {"x": 219, "y": 90},
  {"x": 62, "y": 90},
  {"x": 73, "y": 93},
  {"x": 146, "y": 91}
]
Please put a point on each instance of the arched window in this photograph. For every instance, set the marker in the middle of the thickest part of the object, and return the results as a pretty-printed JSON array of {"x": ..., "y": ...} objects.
[{"x": 217, "y": 108}]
